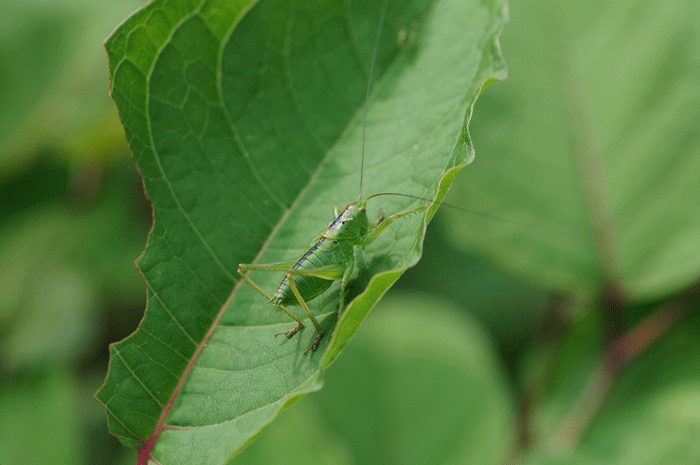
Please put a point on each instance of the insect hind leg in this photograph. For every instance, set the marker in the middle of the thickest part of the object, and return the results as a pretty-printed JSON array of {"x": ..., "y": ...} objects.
[
  {"x": 331, "y": 273},
  {"x": 307, "y": 310},
  {"x": 243, "y": 268}
]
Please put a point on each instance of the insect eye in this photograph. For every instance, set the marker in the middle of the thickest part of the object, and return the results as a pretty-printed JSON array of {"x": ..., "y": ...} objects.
[{"x": 347, "y": 220}]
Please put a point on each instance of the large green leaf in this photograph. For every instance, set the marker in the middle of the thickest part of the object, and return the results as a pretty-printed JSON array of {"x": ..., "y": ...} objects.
[
  {"x": 246, "y": 124},
  {"x": 595, "y": 137}
]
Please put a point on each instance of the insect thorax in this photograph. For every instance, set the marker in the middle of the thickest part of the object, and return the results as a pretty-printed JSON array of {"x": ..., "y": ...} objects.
[{"x": 351, "y": 225}]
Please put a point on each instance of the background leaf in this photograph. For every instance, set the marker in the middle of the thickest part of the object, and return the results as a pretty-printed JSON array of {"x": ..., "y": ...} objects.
[
  {"x": 48, "y": 263},
  {"x": 43, "y": 400},
  {"x": 650, "y": 415},
  {"x": 247, "y": 131},
  {"x": 52, "y": 86},
  {"x": 601, "y": 114}
]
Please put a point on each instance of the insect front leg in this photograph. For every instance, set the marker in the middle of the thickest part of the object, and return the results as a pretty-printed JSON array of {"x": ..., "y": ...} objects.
[
  {"x": 382, "y": 224},
  {"x": 380, "y": 217},
  {"x": 343, "y": 283}
]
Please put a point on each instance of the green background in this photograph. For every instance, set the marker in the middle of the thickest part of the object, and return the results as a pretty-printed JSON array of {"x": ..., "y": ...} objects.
[{"x": 595, "y": 129}]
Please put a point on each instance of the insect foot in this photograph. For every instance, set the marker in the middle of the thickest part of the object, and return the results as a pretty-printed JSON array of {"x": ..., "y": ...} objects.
[
  {"x": 296, "y": 329},
  {"x": 314, "y": 346},
  {"x": 292, "y": 332}
]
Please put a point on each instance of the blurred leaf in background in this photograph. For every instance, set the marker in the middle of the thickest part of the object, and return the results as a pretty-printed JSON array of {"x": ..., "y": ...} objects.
[
  {"x": 52, "y": 82},
  {"x": 72, "y": 221},
  {"x": 595, "y": 138}
]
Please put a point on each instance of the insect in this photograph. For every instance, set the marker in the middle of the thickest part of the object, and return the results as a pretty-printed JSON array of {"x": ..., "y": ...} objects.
[{"x": 331, "y": 256}]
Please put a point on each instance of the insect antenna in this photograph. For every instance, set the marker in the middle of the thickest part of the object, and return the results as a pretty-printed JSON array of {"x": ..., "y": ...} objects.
[
  {"x": 466, "y": 210},
  {"x": 369, "y": 84},
  {"x": 364, "y": 133}
]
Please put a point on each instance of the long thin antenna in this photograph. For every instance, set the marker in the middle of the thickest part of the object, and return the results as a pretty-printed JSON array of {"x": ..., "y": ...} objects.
[
  {"x": 472, "y": 212},
  {"x": 369, "y": 84}
]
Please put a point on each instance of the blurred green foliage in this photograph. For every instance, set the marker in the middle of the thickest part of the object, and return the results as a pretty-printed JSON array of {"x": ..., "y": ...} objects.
[{"x": 73, "y": 219}]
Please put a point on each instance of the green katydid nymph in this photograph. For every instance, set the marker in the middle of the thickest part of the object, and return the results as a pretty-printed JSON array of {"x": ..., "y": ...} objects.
[{"x": 330, "y": 258}]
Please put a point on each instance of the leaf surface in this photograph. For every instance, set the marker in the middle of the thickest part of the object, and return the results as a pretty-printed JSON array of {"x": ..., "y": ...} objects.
[{"x": 246, "y": 124}]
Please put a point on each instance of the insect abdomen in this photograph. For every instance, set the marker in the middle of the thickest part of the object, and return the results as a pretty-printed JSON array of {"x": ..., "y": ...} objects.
[{"x": 309, "y": 286}]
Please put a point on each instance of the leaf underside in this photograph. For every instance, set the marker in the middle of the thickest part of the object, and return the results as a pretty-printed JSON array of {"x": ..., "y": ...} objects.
[{"x": 246, "y": 124}]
